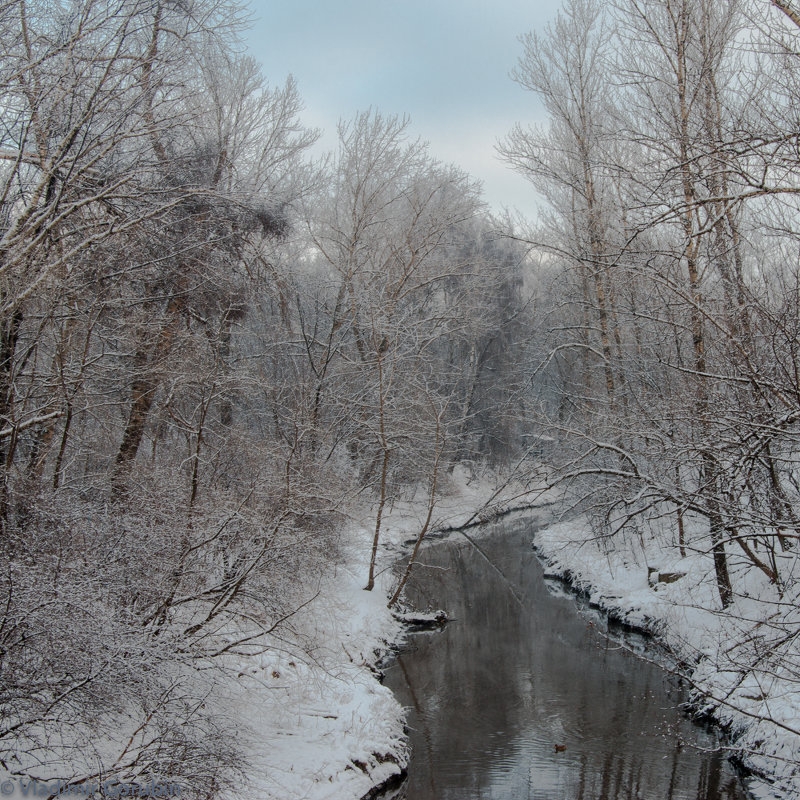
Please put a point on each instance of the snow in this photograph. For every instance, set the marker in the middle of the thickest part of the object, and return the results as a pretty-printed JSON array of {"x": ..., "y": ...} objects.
[
  {"x": 318, "y": 724},
  {"x": 730, "y": 656}
]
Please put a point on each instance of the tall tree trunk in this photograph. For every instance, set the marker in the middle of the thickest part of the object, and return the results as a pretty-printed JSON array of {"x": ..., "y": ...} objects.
[
  {"x": 384, "y": 474},
  {"x": 9, "y": 334},
  {"x": 143, "y": 390},
  {"x": 709, "y": 491},
  {"x": 708, "y": 479},
  {"x": 598, "y": 269}
]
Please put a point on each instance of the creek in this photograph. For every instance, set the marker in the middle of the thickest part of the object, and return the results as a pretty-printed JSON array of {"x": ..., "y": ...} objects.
[{"x": 529, "y": 694}]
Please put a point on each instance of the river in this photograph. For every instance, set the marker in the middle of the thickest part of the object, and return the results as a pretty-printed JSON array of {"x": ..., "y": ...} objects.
[{"x": 523, "y": 696}]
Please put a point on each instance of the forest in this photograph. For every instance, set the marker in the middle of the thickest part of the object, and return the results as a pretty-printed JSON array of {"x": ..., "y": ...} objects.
[{"x": 214, "y": 346}]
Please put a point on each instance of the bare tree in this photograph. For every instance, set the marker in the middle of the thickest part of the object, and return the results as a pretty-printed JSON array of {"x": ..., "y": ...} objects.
[
  {"x": 693, "y": 173},
  {"x": 391, "y": 215}
]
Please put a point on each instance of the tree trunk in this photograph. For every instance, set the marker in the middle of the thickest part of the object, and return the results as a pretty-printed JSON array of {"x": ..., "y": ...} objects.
[
  {"x": 143, "y": 391},
  {"x": 8, "y": 345},
  {"x": 384, "y": 474}
]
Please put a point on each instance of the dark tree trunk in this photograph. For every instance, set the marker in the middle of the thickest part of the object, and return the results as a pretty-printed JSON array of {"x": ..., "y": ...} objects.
[
  {"x": 143, "y": 391},
  {"x": 9, "y": 333}
]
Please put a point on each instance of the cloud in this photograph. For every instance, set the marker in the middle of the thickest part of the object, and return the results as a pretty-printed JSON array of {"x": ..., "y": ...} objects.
[{"x": 444, "y": 62}]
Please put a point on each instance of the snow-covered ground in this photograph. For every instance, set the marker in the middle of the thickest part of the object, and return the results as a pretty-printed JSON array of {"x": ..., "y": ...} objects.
[
  {"x": 317, "y": 722},
  {"x": 742, "y": 661},
  {"x": 320, "y": 724},
  {"x": 324, "y": 727}
]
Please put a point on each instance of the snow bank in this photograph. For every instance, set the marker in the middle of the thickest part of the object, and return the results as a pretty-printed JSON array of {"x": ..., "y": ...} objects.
[
  {"x": 318, "y": 723},
  {"x": 316, "y": 720},
  {"x": 729, "y": 657}
]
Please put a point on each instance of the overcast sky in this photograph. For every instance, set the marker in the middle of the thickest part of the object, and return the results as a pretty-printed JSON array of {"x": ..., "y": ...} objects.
[{"x": 446, "y": 63}]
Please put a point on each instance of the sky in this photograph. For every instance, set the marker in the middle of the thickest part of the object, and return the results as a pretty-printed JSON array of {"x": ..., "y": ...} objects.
[{"x": 445, "y": 63}]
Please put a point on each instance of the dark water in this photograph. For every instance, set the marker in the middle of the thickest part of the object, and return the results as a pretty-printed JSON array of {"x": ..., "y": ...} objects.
[{"x": 521, "y": 697}]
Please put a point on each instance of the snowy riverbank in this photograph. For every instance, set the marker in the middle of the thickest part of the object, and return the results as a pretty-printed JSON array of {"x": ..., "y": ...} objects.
[
  {"x": 317, "y": 721},
  {"x": 728, "y": 653},
  {"x": 320, "y": 724}
]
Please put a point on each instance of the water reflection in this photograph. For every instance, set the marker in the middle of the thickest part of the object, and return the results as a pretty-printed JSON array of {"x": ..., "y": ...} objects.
[{"x": 522, "y": 697}]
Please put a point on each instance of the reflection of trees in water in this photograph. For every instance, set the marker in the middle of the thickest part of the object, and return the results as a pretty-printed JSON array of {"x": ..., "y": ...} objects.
[
  {"x": 423, "y": 732},
  {"x": 504, "y": 683}
]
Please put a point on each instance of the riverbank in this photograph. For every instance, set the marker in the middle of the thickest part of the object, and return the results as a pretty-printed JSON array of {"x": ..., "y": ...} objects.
[
  {"x": 319, "y": 724},
  {"x": 316, "y": 722},
  {"x": 727, "y": 654}
]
